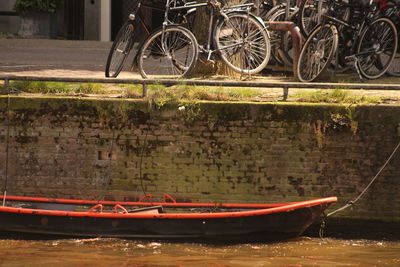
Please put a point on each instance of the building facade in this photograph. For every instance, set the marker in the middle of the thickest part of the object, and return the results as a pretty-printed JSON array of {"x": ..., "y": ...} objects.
[{"x": 78, "y": 19}]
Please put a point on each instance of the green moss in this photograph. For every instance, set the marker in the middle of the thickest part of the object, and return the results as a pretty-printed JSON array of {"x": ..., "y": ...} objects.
[
  {"x": 112, "y": 113},
  {"x": 122, "y": 112}
]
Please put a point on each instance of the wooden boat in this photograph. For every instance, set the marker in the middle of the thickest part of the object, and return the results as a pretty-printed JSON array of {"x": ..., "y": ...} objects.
[{"x": 168, "y": 219}]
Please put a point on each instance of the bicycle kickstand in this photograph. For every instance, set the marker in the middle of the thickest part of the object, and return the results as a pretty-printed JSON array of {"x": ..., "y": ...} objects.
[{"x": 355, "y": 60}]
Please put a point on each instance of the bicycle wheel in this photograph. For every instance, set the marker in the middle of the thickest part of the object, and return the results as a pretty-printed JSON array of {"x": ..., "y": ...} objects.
[
  {"x": 377, "y": 48},
  {"x": 282, "y": 44},
  {"x": 243, "y": 43},
  {"x": 276, "y": 36},
  {"x": 309, "y": 18},
  {"x": 394, "y": 69},
  {"x": 266, "y": 14},
  {"x": 169, "y": 53},
  {"x": 120, "y": 49},
  {"x": 317, "y": 52}
]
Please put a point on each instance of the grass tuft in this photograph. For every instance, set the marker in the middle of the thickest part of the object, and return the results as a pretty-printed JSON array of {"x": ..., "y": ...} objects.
[
  {"x": 40, "y": 87},
  {"x": 335, "y": 96},
  {"x": 161, "y": 95},
  {"x": 57, "y": 87},
  {"x": 89, "y": 88}
]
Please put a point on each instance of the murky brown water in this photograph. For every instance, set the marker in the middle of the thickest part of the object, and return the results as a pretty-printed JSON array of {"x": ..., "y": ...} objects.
[{"x": 303, "y": 251}]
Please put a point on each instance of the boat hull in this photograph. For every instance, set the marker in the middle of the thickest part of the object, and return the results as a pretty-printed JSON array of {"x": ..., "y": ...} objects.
[{"x": 222, "y": 226}]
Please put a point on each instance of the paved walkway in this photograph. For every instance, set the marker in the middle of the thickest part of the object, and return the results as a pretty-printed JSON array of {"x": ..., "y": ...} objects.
[
  {"x": 87, "y": 59},
  {"x": 61, "y": 58}
]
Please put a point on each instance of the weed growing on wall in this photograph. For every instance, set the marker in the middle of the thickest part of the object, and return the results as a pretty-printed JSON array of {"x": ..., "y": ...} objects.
[
  {"x": 319, "y": 130},
  {"x": 341, "y": 119},
  {"x": 190, "y": 111},
  {"x": 350, "y": 115}
]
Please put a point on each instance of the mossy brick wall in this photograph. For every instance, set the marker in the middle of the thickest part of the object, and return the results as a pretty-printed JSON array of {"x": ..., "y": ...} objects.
[{"x": 205, "y": 152}]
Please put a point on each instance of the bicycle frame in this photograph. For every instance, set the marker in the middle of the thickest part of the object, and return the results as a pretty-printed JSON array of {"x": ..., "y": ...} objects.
[
  {"x": 356, "y": 29},
  {"x": 215, "y": 6}
]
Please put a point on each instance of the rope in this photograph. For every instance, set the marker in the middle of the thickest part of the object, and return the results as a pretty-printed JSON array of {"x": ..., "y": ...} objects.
[
  {"x": 352, "y": 202},
  {"x": 110, "y": 154},
  {"x": 109, "y": 175},
  {"x": 141, "y": 162},
  {"x": 7, "y": 146}
]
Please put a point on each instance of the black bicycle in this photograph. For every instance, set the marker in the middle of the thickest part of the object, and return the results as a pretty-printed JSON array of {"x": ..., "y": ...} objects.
[
  {"x": 124, "y": 40},
  {"x": 391, "y": 9},
  {"x": 365, "y": 38},
  {"x": 235, "y": 35}
]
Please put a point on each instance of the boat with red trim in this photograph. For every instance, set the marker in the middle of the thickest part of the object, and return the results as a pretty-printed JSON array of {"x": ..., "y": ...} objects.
[{"x": 168, "y": 219}]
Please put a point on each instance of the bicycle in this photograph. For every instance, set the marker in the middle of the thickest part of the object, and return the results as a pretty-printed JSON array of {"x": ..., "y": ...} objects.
[
  {"x": 391, "y": 9},
  {"x": 371, "y": 41},
  {"x": 310, "y": 12},
  {"x": 235, "y": 35},
  {"x": 124, "y": 40}
]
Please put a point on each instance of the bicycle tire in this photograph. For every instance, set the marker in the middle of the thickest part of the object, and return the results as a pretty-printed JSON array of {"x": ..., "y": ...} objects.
[
  {"x": 317, "y": 52},
  {"x": 373, "y": 66},
  {"x": 250, "y": 57},
  {"x": 394, "y": 69},
  {"x": 283, "y": 44},
  {"x": 266, "y": 14},
  {"x": 339, "y": 63},
  {"x": 175, "y": 60},
  {"x": 308, "y": 19},
  {"x": 120, "y": 49},
  {"x": 276, "y": 36}
]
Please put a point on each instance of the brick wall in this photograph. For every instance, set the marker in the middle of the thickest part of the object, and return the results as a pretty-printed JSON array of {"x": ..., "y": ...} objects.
[{"x": 204, "y": 152}]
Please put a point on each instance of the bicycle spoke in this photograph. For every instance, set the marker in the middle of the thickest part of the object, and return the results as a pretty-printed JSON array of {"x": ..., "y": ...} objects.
[
  {"x": 317, "y": 52},
  {"x": 243, "y": 43}
]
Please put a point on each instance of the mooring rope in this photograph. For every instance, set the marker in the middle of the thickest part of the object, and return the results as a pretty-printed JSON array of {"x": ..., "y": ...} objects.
[
  {"x": 7, "y": 147},
  {"x": 110, "y": 157},
  {"x": 352, "y": 202},
  {"x": 141, "y": 161},
  {"x": 108, "y": 179}
]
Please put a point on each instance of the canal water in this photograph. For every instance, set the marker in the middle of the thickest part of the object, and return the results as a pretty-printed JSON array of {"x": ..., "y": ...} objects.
[{"x": 299, "y": 252}]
